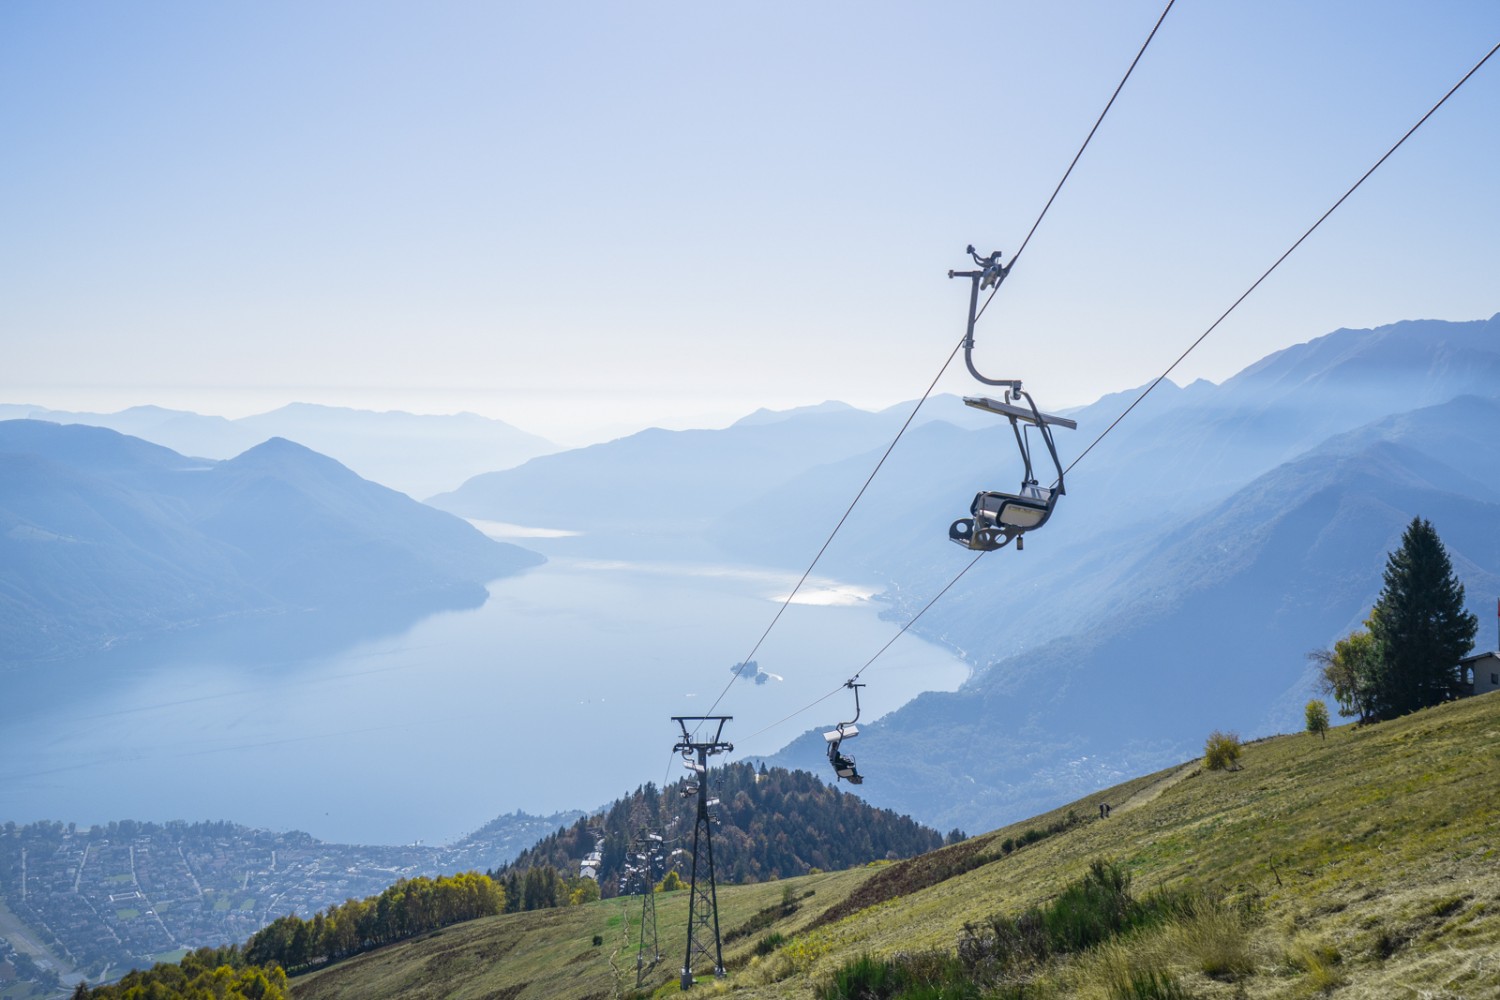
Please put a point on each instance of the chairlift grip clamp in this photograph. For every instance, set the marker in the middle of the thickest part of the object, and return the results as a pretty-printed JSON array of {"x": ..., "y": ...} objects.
[{"x": 987, "y": 265}]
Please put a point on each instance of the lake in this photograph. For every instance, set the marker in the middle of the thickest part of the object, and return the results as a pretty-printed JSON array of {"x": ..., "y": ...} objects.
[{"x": 557, "y": 693}]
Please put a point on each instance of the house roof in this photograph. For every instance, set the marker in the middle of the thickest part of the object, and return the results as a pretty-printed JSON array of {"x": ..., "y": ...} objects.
[{"x": 1477, "y": 657}]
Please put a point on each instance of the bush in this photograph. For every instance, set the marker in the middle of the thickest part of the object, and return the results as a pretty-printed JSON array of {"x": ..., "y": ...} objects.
[
  {"x": 1222, "y": 751},
  {"x": 1317, "y": 718},
  {"x": 1087, "y": 913},
  {"x": 923, "y": 975},
  {"x": 865, "y": 978},
  {"x": 770, "y": 943}
]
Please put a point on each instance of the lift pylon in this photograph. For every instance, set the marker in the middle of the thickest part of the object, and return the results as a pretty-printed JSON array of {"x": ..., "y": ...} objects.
[
  {"x": 646, "y": 854},
  {"x": 703, "y": 896}
]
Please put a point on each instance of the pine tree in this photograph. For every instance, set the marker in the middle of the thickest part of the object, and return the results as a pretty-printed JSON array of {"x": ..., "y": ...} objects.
[{"x": 1419, "y": 625}]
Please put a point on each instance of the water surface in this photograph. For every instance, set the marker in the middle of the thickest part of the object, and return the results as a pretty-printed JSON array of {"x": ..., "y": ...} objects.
[{"x": 556, "y": 694}]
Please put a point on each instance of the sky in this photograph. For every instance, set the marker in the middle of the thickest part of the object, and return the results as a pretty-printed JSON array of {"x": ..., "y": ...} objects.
[{"x": 588, "y": 218}]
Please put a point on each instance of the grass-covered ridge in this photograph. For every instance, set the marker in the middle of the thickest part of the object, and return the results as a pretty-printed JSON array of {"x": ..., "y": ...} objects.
[{"x": 1361, "y": 867}]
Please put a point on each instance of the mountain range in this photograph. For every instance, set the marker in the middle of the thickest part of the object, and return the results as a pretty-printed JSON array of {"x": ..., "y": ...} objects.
[
  {"x": 1203, "y": 547},
  {"x": 418, "y": 454},
  {"x": 106, "y": 538}
]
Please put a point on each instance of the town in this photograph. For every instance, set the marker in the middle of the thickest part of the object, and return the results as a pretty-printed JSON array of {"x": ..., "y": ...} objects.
[{"x": 96, "y": 901}]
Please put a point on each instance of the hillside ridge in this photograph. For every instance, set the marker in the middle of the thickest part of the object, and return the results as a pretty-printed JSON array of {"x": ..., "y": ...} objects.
[{"x": 1360, "y": 866}]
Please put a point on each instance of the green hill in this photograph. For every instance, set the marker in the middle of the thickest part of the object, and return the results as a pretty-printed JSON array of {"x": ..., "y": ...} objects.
[{"x": 1360, "y": 866}]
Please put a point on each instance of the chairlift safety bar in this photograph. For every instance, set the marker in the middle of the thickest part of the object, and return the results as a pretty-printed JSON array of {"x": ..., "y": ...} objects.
[{"x": 1018, "y": 412}]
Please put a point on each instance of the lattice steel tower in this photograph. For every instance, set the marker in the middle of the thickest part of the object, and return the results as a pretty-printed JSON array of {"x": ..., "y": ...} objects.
[
  {"x": 646, "y": 855},
  {"x": 703, "y": 896}
]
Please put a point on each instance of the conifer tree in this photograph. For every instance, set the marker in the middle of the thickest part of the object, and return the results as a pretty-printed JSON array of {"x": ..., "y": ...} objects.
[{"x": 1419, "y": 625}]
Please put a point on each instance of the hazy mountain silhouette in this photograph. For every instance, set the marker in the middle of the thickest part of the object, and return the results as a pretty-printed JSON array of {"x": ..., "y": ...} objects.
[
  {"x": 418, "y": 454},
  {"x": 1210, "y": 622},
  {"x": 106, "y": 537},
  {"x": 661, "y": 492},
  {"x": 1210, "y": 540}
]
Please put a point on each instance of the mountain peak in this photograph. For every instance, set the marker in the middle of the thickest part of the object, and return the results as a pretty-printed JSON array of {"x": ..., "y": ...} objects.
[{"x": 764, "y": 416}]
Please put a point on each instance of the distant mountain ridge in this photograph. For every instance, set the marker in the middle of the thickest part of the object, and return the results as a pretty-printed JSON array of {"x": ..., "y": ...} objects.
[
  {"x": 1236, "y": 525},
  {"x": 1211, "y": 620},
  {"x": 106, "y": 538},
  {"x": 418, "y": 454}
]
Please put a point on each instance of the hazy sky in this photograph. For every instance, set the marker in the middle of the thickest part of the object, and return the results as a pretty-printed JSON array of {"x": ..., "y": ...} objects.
[{"x": 583, "y": 218}]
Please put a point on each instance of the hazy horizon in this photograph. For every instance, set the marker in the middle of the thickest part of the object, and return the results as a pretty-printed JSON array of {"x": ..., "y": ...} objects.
[{"x": 586, "y": 220}]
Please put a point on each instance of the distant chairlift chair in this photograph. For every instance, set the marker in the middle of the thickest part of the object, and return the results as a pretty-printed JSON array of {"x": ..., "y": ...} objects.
[{"x": 843, "y": 764}]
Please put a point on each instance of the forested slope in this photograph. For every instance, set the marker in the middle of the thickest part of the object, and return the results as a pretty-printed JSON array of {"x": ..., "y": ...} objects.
[{"x": 769, "y": 823}]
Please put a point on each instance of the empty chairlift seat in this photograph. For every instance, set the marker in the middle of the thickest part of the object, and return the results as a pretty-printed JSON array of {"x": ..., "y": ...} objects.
[{"x": 999, "y": 517}]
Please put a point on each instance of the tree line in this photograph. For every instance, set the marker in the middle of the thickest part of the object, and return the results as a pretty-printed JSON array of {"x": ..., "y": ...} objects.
[
  {"x": 291, "y": 944},
  {"x": 404, "y": 910},
  {"x": 205, "y": 974}
]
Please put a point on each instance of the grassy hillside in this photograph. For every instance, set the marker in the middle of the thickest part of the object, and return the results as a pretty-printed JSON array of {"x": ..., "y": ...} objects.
[{"x": 1360, "y": 867}]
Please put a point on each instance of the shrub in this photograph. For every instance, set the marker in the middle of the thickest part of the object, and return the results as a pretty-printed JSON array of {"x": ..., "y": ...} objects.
[
  {"x": 770, "y": 943},
  {"x": 1222, "y": 751},
  {"x": 923, "y": 975},
  {"x": 1090, "y": 911},
  {"x": 865, "y": 978},
  {"x": 1317, "y": 718}
]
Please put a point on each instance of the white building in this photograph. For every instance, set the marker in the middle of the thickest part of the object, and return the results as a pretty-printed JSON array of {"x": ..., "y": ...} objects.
[{"x": 1479, "y": 674}]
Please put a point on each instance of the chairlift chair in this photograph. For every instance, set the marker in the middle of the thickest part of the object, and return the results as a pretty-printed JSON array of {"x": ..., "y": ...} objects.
[
  {"x": 1000, "y": 517},
  {"x": 843, "y": 764}
]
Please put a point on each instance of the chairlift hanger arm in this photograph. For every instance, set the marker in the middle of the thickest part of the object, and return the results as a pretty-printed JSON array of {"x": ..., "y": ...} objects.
[
  {"x": 855, "y": 688},
  {"x": 1041, "y": 420},
  {"x": 1028, "y": 414},
  {"x": 991, "y": 272}
]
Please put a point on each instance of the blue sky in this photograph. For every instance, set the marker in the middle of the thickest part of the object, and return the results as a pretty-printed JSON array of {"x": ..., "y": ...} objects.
[{"x": 587, "y": 218}]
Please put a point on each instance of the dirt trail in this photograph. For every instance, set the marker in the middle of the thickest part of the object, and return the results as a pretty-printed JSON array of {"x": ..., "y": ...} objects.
[{"x": 1151, "y": 791}]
